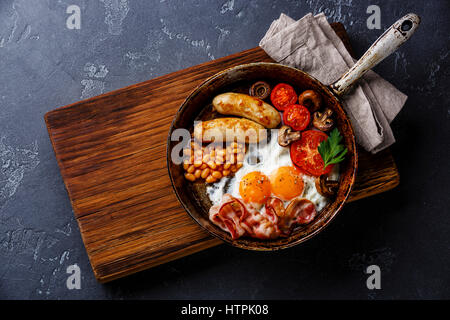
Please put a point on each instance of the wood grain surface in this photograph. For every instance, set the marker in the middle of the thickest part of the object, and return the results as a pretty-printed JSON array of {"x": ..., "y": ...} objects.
[{"x": 111, "y": 150}]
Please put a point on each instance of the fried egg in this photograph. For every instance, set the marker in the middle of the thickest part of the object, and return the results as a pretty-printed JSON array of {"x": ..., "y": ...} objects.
[{"x": 268, "y": 171}]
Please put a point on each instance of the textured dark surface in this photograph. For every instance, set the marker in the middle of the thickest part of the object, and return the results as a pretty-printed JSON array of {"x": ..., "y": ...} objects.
[{"x": 44, "y": 65}]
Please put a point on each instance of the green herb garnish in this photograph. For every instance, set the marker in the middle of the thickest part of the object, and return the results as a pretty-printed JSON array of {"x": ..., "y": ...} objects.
[{"x": 331, "y": 150}]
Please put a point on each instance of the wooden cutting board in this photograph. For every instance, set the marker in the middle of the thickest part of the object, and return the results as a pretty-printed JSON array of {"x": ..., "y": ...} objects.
[{"x": 111, "y": 151}]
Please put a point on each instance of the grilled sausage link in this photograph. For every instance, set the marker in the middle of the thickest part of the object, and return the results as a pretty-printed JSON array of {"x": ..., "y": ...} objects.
[
  {"x": 229, "y": 129},
  {"x": 249, "y": 107}
]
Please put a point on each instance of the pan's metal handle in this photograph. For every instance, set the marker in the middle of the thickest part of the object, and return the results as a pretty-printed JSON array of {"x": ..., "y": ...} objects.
[{"x": 386, "y": 44}]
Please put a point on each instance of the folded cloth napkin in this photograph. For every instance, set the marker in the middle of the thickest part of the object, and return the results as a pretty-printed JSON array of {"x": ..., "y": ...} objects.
[{"x": 310, "y": 44}]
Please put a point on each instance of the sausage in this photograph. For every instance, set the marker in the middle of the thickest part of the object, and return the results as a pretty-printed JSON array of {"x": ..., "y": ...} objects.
[
  {"x": 229, "y": 129},
  {"x": 239, "y": 104}
]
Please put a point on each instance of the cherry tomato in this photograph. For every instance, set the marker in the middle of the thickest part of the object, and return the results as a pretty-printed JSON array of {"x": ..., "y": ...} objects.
[
  {"x": 305, "y": 155},
  {"x": 283, "y": 95},
  {"x": 297, "y": 117}
]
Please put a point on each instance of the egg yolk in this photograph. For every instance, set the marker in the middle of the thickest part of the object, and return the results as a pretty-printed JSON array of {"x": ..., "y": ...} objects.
[
  {"x": 255, "y": 187},
  {"x": 286, "y": 183}
]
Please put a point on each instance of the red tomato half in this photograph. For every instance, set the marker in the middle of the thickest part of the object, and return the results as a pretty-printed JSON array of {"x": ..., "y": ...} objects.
[
  {"x": 305, "y": 155},
  {"x": 283, "y": 95},
  {"x": 297, "y": 117}
]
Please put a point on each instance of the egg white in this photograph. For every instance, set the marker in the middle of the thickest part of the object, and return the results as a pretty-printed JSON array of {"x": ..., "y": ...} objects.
[{"x": 270, "y": 156}]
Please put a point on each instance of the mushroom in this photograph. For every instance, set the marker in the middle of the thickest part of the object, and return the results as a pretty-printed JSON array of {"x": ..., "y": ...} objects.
[
  {"x": 323, "y": 120},
  {"x": 326, "y": 187},
  {"x": 260, "y": 90},
  {"x": 286, "y": 136},
  {"x": 311, "y": 100}
]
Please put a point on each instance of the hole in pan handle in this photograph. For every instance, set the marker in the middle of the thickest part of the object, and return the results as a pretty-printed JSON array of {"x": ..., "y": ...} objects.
[{"x": 386, "y": 44}]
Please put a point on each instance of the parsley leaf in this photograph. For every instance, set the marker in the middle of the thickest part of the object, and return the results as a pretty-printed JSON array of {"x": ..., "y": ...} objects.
[{"x": 331, "y": 150}]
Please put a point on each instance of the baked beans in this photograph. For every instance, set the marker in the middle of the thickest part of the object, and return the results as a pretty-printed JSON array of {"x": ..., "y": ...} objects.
[{"x": 212, "y": 162}]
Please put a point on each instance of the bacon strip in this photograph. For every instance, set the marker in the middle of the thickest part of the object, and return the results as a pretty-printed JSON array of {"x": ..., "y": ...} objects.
[
  {"x": 241, "y": 219},
  {"x": 228, "y": 217},
  {"x": 298, "y": 211}
]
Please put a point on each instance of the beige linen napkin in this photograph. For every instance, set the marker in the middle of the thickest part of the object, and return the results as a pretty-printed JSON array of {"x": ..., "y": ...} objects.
[{"x": 311, "y": 45}]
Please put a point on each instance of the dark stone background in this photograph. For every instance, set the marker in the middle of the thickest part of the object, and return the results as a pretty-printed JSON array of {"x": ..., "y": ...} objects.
[{"x": 44, "y": 65}]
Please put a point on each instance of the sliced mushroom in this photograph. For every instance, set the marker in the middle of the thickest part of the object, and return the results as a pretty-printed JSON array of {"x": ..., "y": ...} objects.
[
  {"x": 325, "y": 187},
  {"x": 287, "y": 136},
  {"x": 311, "y": 100},
  {"x": 260, "y": 90},
  {"x": 323, "y": 120}
]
